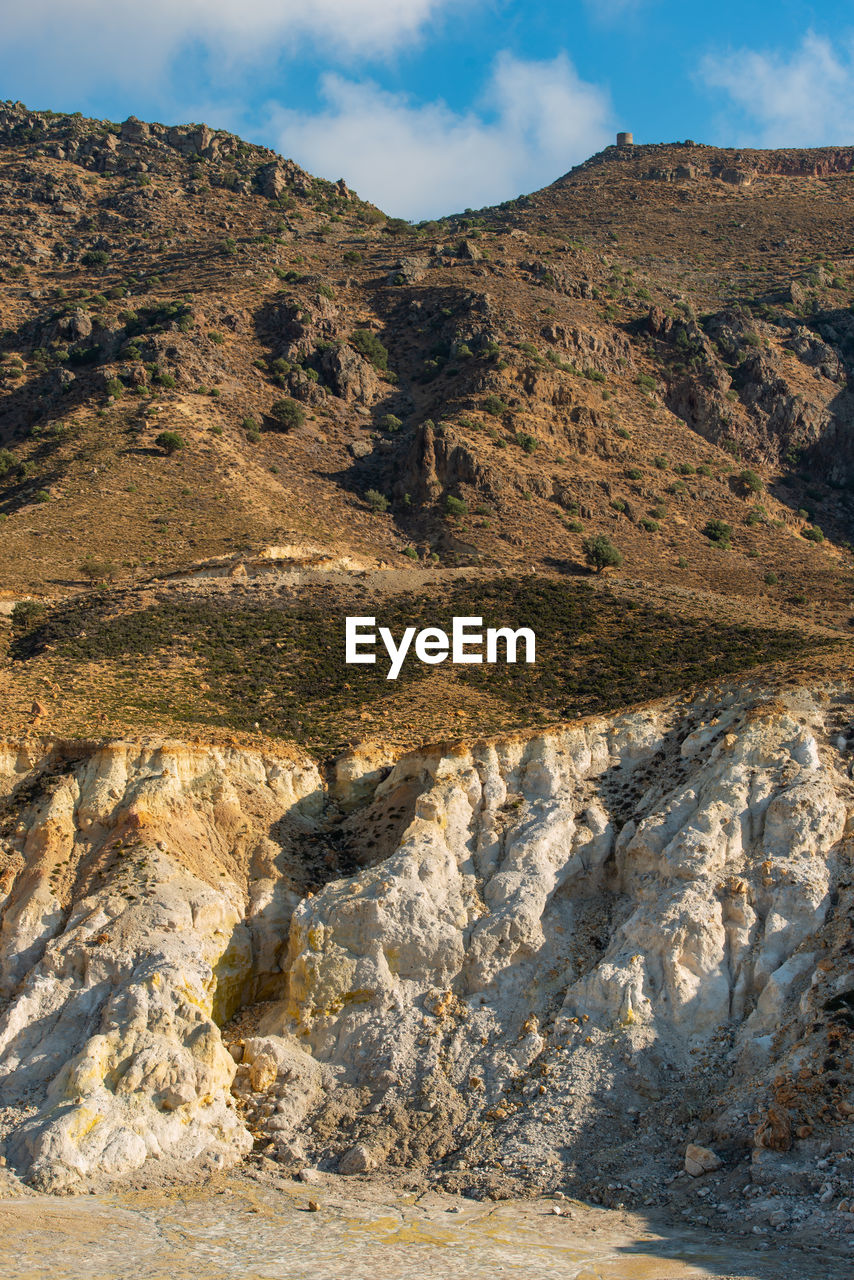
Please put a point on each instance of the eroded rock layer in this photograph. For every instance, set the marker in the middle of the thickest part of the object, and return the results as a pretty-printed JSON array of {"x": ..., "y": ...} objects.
[{"x": 533, "y": 958}]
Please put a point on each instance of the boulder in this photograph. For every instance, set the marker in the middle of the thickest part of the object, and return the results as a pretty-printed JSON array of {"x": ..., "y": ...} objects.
[
  {"x": 359, "y": 1159},
  {"x": 349, "y": 376},
  {"x": 700, "y": 1160}
]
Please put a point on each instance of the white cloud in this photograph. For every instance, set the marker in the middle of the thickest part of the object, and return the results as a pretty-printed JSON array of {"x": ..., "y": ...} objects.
[
  {"x": 101, "y": 41},
  {"x": 534, "y": 121},
  {"x": 801, "y": 99}
]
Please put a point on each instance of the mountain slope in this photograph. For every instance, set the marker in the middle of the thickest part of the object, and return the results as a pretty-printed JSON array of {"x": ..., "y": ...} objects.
[{"x": 218, "y": 367}]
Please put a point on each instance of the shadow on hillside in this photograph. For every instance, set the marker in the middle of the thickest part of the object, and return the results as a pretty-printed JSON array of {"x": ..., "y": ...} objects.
[{"x": 569, "y": 568}]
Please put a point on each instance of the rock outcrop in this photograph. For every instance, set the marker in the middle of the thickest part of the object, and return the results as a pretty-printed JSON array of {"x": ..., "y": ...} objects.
[
  {"x": 126, "y": 932},
  {"x": 529, "y": 951}
]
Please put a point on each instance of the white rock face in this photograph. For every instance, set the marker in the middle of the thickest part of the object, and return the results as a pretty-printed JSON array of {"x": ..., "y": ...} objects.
[
  {"x": 600, "y": 903},
  {"x": 124, "y": 927},
  {"x": 548, "y": 934}
]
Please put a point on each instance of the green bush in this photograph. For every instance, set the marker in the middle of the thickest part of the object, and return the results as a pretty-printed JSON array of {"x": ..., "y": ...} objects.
[
  {"x": 751, "y": 480},
  {"x": 771, "y": 579},
  {"x": 526, "y": 442},
  {"x": 494, "y": 405},
  {"x": 115, "y": 388},
  {"x": 164, "y": 379},
  {"x": 98, "y": 570},
  {"x": 7, "y": 462},
  {"x": 390, "y": 422},
  {"x": 411, "y": 552},
  {"x": 288, "y": 414},
  {"x": 719, "y": 532},
  {"x": 634, "y": 473},
  {"x": 455, "y": 506},
  {"x": 813, "y": 534},
  {"x": 95, "y": 258},
  {"x": 600, "y": 553},
  {"x": 377, "y": 501},
  {"x": 651, "y": 526},
  {"x": 216, "y": 336},
  {"x": 660, "y": 462},
  {"x": 170, "y": 442},
  {"x": 369, "y": 345}
]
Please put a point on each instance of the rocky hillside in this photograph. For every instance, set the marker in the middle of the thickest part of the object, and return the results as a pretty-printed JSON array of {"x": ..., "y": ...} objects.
[
  {"x": 550, "y": 961},
  {"x": 582, "y": 926},
  {"x": 207, "y": 352}
]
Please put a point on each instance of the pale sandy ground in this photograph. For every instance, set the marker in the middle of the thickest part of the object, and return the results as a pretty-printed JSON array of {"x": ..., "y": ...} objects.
[{"x": 235, "y": 1227}]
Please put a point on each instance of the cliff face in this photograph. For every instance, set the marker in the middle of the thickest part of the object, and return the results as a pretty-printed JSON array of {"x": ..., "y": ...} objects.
[
  {"x": 143, "y": 898},
  {"x": 548, "y": 951}
]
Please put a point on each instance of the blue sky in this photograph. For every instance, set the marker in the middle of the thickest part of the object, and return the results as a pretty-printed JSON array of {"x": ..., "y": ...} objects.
[{"x": 429, "y": 106}]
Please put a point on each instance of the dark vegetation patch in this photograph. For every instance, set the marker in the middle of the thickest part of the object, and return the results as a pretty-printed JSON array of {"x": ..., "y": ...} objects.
[{"x": 280, "y": 664}]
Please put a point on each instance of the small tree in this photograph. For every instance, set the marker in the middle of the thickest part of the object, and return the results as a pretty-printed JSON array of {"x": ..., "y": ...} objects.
[
  {"x": 288, "y": 414},
  {"x": 600, "y": 553},
  {"x": 26, "y": 613},
  {"x": 377, "y": 501},
  {"x": 368, "y": 344},
  {"x": 170, "y": 442}
]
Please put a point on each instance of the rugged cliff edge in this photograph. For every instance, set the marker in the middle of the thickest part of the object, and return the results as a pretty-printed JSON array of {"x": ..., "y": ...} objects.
[{"x": 539, "y": 961}]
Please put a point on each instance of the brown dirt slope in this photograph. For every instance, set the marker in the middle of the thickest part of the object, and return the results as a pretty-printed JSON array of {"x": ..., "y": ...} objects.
[{"x": 213, "y": 362}]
